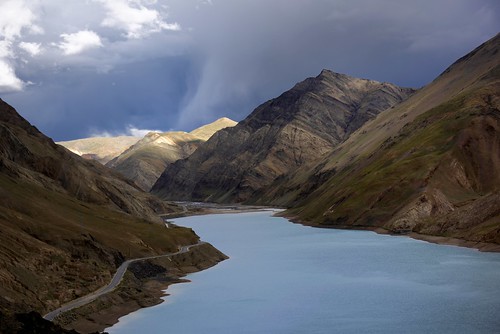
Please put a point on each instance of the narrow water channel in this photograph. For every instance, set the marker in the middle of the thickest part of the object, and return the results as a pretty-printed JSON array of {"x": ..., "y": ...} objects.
[{"x": 287, "y": 278}]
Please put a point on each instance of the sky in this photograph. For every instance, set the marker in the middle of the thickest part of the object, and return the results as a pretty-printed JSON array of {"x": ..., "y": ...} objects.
[{"x": 81, "y": 68}]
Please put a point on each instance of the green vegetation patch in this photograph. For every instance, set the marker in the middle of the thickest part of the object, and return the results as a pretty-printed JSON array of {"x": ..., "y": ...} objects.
[{"x": 371, "y": 189}]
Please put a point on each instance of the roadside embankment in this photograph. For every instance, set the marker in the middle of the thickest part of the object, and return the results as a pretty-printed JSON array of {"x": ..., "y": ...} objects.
[{"x": 143, "y": 285}]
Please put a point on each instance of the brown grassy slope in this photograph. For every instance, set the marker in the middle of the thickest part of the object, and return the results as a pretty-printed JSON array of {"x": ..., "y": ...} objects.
[
  {"x": 144, "y": 161},
  {"x": 54, "y": 247},
  {"x": 429, "y": 165},
  {"x": 473, "y": 70},
  {"x": 66, "y": 222},
  {"x": 29, "y": 155}
]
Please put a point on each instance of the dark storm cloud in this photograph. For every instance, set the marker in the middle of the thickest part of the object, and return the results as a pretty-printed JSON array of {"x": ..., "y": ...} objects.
[
  {"x": 77, "y": 103},
  {"x": 228, "y": 56},
  {"x": 256, "y": 50}
]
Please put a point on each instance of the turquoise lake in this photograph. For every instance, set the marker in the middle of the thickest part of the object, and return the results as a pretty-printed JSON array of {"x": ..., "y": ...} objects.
[{"x": 288, "y": 278}]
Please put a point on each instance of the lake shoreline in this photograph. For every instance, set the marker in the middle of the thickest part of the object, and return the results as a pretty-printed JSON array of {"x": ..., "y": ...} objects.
[
  {"x": 107, "y": 310},
  {"x": 153, "y": 290},
  {"x": 213, "y": 208},
  {"x": 435, "y": 239},
  {"x": 135, "y": 293},
  {"x": 275, "y": 260},
  {"x": 152, "y": 293}
]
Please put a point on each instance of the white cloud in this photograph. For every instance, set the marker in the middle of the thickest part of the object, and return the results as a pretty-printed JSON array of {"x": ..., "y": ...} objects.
[
  {"x": 133, "y": 131},
  {"x": 130, "y": 131},
  {"x": 47, "y": 28},
  {"x": 32, "y": 48},
  {"x": 134, "y": 18},
  {"x": 203, "y": 3},
  {"x": 8, "y": 80},
  {"x": 15, "y": 18},
  {"x": 16, "y": 15},
  {"x": 6, "y": 49},
  {"x": 99, "y": 134},
  {"x": 79, "y": 42}
]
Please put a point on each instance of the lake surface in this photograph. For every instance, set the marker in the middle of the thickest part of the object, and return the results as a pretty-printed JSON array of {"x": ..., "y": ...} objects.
[{"x": 287, "y": 278}]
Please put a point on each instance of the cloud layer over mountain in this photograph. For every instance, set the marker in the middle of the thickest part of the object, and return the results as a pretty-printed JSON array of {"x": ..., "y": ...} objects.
[{"x": 80, "y": 67}]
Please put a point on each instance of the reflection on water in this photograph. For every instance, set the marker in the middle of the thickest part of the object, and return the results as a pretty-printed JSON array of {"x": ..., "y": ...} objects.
[{"x": 287, "y": 278}]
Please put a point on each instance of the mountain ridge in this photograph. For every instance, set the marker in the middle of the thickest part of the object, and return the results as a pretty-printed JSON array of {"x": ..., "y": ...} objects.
[
  {"x": 432, "y": 154},
  {"x": 102, "y": 149},
  {"x": 144, "y": 161},
  {"x": 424, "y": 165},
  {"x": 278, "y": 136}
]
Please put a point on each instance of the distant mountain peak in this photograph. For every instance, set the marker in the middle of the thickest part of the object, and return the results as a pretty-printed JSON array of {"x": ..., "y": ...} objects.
[
  {"x": 102, "y": 149},
  {"x": 152, "y": 134},
  {"x": 486, "y": 50},
  {"x": 329, "y": 74},
  {"x": 206, "y": 131},
  {"x": 426, "y": 166},
  {"x": 146, "y": 160}
]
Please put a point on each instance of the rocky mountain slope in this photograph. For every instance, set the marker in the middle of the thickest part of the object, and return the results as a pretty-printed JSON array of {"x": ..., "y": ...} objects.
[
  {"x": 102, "y": 149},
  {"x": 66, "y": 222},
  {"x": 147, "y": 159},
  {"x": 279, "y": 136},
  {"x": 429, "y": 165}
]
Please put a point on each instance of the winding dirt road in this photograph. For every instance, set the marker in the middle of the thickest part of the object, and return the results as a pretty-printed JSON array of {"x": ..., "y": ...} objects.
[{"x": 115, "y": 281}]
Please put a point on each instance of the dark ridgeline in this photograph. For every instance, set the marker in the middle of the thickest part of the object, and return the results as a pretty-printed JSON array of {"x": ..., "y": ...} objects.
[{"x": 281, "y": 135}]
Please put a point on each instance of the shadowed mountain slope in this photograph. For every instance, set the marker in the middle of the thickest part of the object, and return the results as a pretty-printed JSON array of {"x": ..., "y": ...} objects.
[
  {"x": 30, "y": 156},
  {"x": 279, "y": 136},
  {"x": 66, "y": 222},
  {"x": 429, "y": 165}
]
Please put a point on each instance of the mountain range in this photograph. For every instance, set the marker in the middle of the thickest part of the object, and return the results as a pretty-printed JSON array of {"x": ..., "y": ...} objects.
[
  {"x": 334, "y": 150},
  {"x": 144, "y": 161},
  {"x": 102, "y": 149},
  {"x": 345, "y": 152},
  {"x": 429, "y": 165}
]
